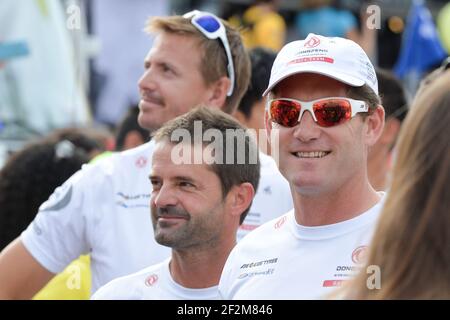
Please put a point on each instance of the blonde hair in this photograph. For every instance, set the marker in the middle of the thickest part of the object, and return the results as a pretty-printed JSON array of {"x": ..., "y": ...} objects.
[
  {"x": 214, "y": 61},
  {"x": 411, "y": 244}
]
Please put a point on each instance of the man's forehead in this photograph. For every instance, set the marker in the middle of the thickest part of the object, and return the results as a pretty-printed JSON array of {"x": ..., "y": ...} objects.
[
  {"x": 169, "y": 41},
  {"x": 308, "y": 81},
  {"x": 173, "y": 49}
]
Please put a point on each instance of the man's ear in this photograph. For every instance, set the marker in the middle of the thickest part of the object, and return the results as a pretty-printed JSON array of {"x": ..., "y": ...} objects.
[
  {"x": 218, "y": 92},
  {"x": 240, "y": 197},
  {"x": 374, "y": 126}
]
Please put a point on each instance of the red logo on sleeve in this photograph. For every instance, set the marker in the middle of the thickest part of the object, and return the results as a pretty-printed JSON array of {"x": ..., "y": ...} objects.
[{"x": 141, "y": 162}]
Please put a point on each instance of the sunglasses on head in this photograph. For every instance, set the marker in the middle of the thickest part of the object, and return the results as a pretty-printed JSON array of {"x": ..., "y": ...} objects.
[
  {"x": 212, "y": 28},
  {"x": 326, "y": 112}
]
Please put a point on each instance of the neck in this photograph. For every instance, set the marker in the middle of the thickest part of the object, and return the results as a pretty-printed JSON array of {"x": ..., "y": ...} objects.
[
  {"x": 336, "y": 206},
  {"x": 198, "y": 268}
]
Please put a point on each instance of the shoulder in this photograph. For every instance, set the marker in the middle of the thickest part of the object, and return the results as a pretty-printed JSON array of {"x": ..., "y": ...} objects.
[
  {"x": 129, "y": 161},
  {"x": 130, "y": 287},
  {"x": 138, "y": 157},
  {"x": 260, "y": 247},
  {"x": 142, "y": 150},
  {"x": 267, "y": 233}
]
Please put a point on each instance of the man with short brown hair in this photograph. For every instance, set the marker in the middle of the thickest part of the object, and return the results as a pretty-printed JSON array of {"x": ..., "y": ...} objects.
[{"x": 196, "y": 205}]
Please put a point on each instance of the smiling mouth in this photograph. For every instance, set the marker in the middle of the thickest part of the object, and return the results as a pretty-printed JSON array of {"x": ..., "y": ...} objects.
[
  {"x": 311, "y": 154},
  {"x": 151, "y": 102},
  {"x": 167, "y": 217}
]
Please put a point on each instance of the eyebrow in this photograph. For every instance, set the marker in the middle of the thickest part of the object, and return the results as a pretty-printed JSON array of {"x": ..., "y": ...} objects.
[
  {"x": 184, "y": 178},
  {"x": 177, "y": 178},
  {"x": 160, "y": 63}
]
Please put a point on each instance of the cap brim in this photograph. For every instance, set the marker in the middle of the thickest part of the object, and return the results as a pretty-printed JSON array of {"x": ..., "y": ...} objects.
[{"x": 352, "y": 81}]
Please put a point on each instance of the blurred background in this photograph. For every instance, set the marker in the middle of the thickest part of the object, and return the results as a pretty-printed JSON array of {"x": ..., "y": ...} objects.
[{"x": 76, "y": 63}]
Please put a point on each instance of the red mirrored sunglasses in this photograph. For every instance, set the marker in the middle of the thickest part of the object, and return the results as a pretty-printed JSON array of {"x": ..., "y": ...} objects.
[{"x": 326, "y": 112}]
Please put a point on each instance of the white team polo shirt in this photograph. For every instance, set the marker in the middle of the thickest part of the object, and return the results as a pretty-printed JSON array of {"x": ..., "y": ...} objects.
[{"x": 284, "y": 260}]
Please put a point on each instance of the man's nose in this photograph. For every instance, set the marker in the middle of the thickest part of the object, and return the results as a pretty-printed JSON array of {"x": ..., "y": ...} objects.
[
  {"x": 307, "y": 129},
  {"x": 146, "y": 81},
  {"x": 165, "y": 196}
]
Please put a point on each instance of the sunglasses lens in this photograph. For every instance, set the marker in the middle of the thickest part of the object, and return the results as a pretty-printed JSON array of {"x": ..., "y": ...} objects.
[
  {"x": 209, "y": 23},
  {"x": 332, "y": 112},
  {"x": 285, "y": 112}
]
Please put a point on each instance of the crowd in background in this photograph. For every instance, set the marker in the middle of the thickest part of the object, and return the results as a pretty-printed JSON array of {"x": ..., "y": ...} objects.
[{"x": 93, "y": 79}]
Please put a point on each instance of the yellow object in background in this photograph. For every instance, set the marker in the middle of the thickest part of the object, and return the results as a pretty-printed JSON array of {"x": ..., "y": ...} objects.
[
  {"x": 261, "y": 28},
  {"x": 43, "y": 7},
  {"x": 74, "y": 283},
  {"x": 443, "y": 25}
]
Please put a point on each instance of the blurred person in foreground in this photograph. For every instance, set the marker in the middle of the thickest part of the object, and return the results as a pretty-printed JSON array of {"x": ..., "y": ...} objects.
[{"x": 411, "y": 245}]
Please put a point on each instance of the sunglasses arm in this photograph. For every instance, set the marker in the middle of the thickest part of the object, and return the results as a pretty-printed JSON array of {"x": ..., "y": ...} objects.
[{"x": 358, "y": 107}]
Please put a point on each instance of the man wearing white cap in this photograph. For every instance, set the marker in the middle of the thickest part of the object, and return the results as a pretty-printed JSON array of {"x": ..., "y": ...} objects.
[{"x": 312, "y": 249}]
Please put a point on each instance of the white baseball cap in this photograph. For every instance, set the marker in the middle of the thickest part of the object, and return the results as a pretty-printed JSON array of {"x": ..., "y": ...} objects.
[{"x": 337, "y": 58}]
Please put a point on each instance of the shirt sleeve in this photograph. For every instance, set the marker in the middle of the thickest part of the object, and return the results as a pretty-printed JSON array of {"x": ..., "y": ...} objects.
[{"x": 59, "y": 232}]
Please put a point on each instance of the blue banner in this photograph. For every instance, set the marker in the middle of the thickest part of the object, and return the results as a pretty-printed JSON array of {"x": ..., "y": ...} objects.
[{"x": 421, "y": 47}]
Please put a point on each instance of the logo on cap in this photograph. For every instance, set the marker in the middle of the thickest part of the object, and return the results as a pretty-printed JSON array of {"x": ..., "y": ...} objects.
[{"x": 312, "y": 42}]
